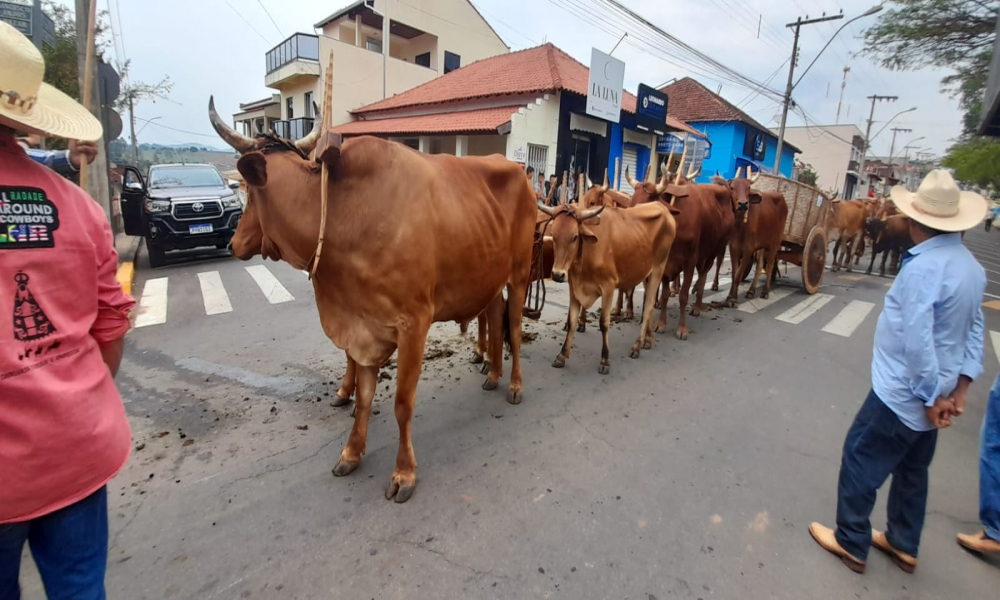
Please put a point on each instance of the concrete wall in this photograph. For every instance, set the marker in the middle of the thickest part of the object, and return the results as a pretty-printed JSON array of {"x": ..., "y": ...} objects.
[
  {"x": 484, "y": 145},
  {"x": 538, "y": 125},
  {"x": 828, "y": 150},
  {"x": 723, "y": 154}
]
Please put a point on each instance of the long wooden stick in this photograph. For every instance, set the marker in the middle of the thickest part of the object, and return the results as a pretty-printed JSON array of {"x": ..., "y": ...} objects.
[
  {"x": 324, "y": 178},
  {"x": 88, "y": 79}
]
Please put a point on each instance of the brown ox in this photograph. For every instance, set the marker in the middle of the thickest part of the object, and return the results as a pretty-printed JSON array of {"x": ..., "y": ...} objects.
[
  {"x": 848, "y": 218},
  {"x": 760, "y": 223},
  {"x": 618, "y": 249},
  {"x": 704, "y": 226},
  {"x": 890, "y": 235},
  {"x": 471, "y": 218}
]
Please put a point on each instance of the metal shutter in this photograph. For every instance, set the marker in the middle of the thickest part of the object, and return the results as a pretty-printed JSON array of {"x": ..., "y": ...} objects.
[
  {"x": 538, "y": 157},
  {"x": 630, "y": 160}
]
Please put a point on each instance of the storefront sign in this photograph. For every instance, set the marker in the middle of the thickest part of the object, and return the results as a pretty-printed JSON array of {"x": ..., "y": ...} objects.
[
  {"x": 18, "y": 14},
  {"x": 604, "y": 86},
  {"x": 651, "y": 110},
  {"x": 519, "y": 154}
]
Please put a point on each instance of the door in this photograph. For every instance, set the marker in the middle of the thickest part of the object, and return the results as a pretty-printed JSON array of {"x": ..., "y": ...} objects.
[{"x": 133, "y": 195}]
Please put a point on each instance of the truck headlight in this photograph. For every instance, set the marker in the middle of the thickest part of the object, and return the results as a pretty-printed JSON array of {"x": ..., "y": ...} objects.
[
  {"x": 155, "y": 206},
  {"x": 231, "y": 201}
]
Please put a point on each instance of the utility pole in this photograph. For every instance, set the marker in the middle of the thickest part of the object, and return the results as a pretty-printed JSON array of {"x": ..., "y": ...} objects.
[
  {"x": 788, "y": 87},
  {"x": 98, "y": 185},
  {"x": 875, "y": 98},
  {"x": 131, "y": 123},
  {"x": 892, "y": 148},
  {"x": 843, "y": 84}
]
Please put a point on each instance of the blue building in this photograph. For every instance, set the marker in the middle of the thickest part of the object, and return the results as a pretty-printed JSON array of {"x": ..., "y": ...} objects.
[{"x": 736, "y": 139}]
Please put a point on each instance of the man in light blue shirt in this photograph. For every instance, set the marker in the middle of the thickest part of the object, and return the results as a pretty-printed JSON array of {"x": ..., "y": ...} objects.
[{"x": 928, "y": 349}]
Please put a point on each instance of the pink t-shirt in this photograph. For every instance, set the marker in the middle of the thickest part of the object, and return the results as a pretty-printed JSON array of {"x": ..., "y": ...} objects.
[{"x": 63, "y": 429}]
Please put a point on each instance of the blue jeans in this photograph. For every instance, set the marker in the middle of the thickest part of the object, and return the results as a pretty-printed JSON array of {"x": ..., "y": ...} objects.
[
  {"x": 878, "y": 444},
  {"x": 70, "y": 548},
  {"x": 989, "y": 466}
]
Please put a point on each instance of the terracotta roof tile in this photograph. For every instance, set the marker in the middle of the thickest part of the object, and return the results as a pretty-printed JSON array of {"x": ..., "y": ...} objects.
[
  {"x": 485, "y": 120},
  {"x": 544, "y": 68}
]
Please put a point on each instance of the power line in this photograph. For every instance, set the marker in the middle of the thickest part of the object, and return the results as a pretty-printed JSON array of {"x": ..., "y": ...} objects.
[
  {"x": 238, "y": 14},
  {"x": 270, "y": 17},
  {"x": 498, "y": 20},
  {"x": 155, "y": 124}
]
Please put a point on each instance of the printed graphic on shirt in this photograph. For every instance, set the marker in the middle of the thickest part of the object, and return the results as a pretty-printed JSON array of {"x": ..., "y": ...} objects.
[
  {"x": 28, "y": 219},
  {"x": 31, "y": 324}
]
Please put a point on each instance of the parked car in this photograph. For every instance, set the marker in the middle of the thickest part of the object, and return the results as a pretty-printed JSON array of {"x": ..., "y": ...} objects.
[{"x": 179, "y": 207}]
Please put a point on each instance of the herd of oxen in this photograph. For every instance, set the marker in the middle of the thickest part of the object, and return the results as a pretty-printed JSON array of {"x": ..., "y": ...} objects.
[{"x": 412, "y": 239}]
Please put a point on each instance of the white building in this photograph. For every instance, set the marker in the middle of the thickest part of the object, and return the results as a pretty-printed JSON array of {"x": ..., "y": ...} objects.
[
  {"x": 425, "y": 40},
  {"x": 834, "y": 152}
]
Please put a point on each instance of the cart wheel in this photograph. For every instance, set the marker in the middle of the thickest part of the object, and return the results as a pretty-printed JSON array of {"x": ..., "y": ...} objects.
[{"x": 814, "y": 259}]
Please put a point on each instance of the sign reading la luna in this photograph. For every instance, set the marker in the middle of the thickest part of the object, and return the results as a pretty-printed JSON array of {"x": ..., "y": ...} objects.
[{"x": 604, "y": 86}]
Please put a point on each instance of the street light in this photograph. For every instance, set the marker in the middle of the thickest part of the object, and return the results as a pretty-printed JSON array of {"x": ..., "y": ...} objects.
[
  {"x": 902, "y": 112},
  {"x": 148, "y": 121},
  {"x": 791, "y": 70}
]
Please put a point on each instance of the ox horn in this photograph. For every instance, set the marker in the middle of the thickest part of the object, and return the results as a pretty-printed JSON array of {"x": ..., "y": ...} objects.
[
  {"x": 670, "y": 159},
  {"x": 238, "y": 141},
  {"x": 631, "y": 181},
  {"x": 661, "y": 186},
  {"x": 308, "y": 143},
  {"x": 589, "y": 214},
  {"x": 680, "y": 167},
  {"x": 607, "y": 185},
  {"x": 750, "y": 175},
  {"x": 693, "y": 173},
  {"x": 549, "y": 210}
]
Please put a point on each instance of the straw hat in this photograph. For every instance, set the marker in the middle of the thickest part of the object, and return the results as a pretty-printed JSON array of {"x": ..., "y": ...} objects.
[
  {"x": 938, "y": 203},
  {"x": 29, "y": 105}
]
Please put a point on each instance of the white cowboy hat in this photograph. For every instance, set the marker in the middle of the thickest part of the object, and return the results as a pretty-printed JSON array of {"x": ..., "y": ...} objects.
[
  {"x": 938, "y": 203},
  {"x": 29, "y": 105}
]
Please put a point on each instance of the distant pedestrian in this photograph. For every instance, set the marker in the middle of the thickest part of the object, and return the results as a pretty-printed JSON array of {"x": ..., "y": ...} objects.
[
  {"x": 550, "y": 191},
  {"x": 539, "y": 186},
  {"x": 928, "y": 349},
  {"x": 65, "y": 162},
  {"x": 530, "y": 173},
  {"x": 987, "y": 541},
  {"x": 63, "y": 317}
]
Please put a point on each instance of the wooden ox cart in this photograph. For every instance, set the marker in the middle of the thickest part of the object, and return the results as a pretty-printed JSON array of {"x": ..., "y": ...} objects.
[{"x": 804, "y": 242}]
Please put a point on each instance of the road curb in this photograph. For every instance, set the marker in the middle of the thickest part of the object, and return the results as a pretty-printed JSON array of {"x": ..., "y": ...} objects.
[{"x": 126, "y": 261}]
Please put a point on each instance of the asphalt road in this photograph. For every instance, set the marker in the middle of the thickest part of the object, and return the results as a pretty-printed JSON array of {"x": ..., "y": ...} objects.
[{"x": 692, "y": 472}]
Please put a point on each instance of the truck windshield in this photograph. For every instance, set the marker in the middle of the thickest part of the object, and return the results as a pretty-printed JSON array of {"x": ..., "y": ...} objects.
[{"x": 169, "y": 177}]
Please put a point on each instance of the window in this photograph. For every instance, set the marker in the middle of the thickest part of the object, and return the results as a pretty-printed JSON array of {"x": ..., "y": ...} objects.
[
  {"x": 451, "y": 62},
  {"x": 186, "y": 176},
  {"x": 308, "y": 111},
  {"x": 537, "y": 158},
  {"x": 424, "y": 60},
  {"x": 373, "y": 45},
  {"x": 289, "y": 112}
]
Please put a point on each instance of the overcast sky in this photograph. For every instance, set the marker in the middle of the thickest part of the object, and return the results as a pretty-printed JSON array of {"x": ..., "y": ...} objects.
[{"x": 218, "y": 46}]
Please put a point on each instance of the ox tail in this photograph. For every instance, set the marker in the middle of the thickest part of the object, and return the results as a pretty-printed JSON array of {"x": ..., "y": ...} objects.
[{"x": 506, "y": 324}]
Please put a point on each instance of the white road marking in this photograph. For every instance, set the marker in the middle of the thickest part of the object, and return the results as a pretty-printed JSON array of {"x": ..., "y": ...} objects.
[
  {"x": 849, "y": 319},
  {"x": 214, "y": 293},
  {"x": 153, "y": 304},
  {"x": 805, "y": 309},
  {"x": 991, "y": 295},
  {"x": 269, "y": 284},
  {"x": 279, "y": 384},
  {"x": 756, "y": 304},
  {"x": 995, "y": 338}
]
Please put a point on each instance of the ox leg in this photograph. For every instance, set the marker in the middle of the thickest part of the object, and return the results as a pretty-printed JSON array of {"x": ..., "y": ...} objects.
[
  {"x": 350, "y": 456},
  {"x": 515, "y": 310},
  {"x": 835, "y": 265},
  {"x": 645, "y": 340},
  {"x": 348, "y": 385},
  {"x": 860, "y": 250},
  {"x": 682, "y": 298},
  {"x": 494, "y": 316},
  {"x": 772, "y": 260},
  {"x": 718, "y": 267},
  {"x": 583, "y": 321},
  {"x": 881, "y": 269},
  {"x": 752, "y": 292},
  {"x": 851, "y": 244},
  {"x": 619, "y": 300},
  {"x": 871, "y": 263},
  {"x": 574, "y": 314},
  {"x": 659, "y": 292},
  {"x": 630, "y": 309},
  {"x": 661, "y": 324},
  {"x": 411, "y": 357},
  {"x": 699, "y": 287},
  {"x": 605, "y": 366},
  {"x": 743, "y": 260},
  {"x": 479, "y": 354}
]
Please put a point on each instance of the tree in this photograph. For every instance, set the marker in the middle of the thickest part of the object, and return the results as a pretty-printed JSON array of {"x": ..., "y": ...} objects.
[
  {"x": 976, "y": 161},
  {"x": 949, "y": 34},
  {"x": 807, "y": 175},
  {"x": 132, "y": 92}
]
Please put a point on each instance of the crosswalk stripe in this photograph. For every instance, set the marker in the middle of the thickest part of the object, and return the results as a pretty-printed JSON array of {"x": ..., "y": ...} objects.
[
  {"x": 756, "y": 304},
  {"x": 153, "y": 304},
  {"x": 805, "y": 309},
  {"x": 269, "y": 284},
  {"x": 724, "y": 284},
  {"x": 995, "y": 338},
  {"x": 849, "y": 318},
  {"x": 214, "y": 293}
]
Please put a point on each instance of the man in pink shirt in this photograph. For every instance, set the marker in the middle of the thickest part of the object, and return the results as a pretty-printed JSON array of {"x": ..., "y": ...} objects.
[{"x": 63, "y": 318}]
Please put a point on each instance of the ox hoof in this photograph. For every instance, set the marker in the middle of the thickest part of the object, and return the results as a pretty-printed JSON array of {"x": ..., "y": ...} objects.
[
  {"x": 732, "y": 302},
  {"x": 514, "y": 396},
  {"x": 345, "y": 467},
  {"x": 764, "y": 295},
  {"x": 695, "y": 311},
  {"x": 559, "y": 362},
  {"x": 647, "y": 344},
  {"x": 401, "y": 487},
  {"x": 604, "y": 369},
  {"x": 715, "y": 287},
  {"x": 849, "y": 270},
  {"x": 490, "y": 385},
  {"x": 342, "y": 399},
  {"x": 581, "y": 328},
  {"x": 615, "y": 312},
  {"x": 660, "y": 328},
  {"x": 566, "y": 326},
  {"x": 751, "y": 294},
  {"x": 629, "y": 315},
  {"x": 635, "y": 352},
  {"x": 682, "y": 333},
  {"x": 483, "y": 370},
  {"x": 477, "y": 358}
]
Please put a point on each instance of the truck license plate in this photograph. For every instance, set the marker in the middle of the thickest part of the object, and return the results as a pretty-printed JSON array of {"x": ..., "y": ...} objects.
[{"x": 207, "y": 228}]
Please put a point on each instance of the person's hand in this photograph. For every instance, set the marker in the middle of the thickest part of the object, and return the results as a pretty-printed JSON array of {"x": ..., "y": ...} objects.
[
  {"x": 940, "y": 414},
  {"x": 82, "y": 151},
  {"x": 958, "y": 396}
]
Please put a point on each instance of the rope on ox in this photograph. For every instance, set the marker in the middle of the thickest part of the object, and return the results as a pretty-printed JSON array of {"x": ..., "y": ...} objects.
[{"x": 534, "y": 300}]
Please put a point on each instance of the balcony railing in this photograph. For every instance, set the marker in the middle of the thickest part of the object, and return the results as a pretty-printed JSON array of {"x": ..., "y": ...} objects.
[
  {"x": 300, "y": 46},
  {"x": 853, "y": 166},
  {"x": 294, "y": 129}
]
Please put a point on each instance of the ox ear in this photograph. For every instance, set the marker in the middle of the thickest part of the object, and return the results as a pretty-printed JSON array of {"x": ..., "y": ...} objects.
[
  {"x": 755, "y": 197},
  {"x": 253, "y": 167},
  {"x": 673, "y": 210},
  {"x": 587, "y": 234},
  {"x": 677, "y": 191}
]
